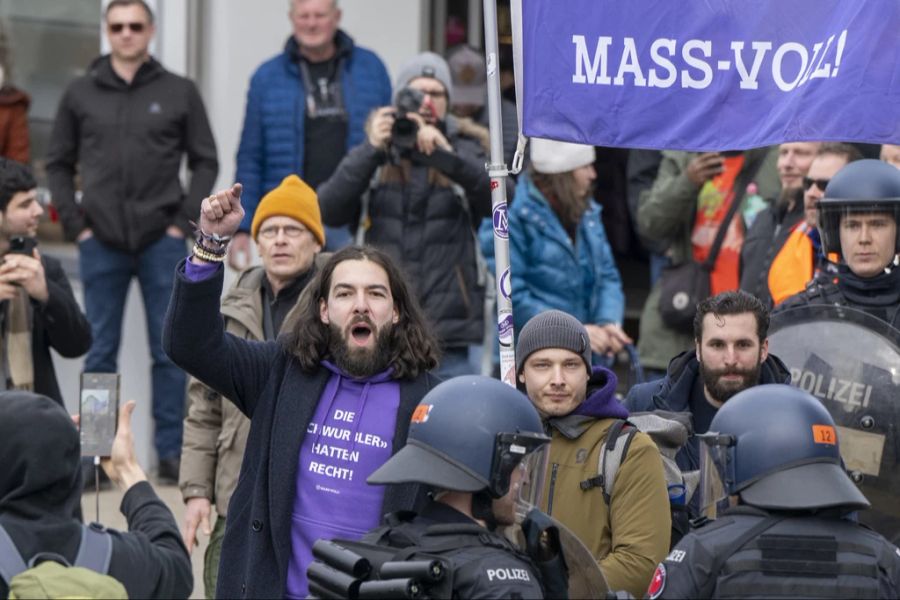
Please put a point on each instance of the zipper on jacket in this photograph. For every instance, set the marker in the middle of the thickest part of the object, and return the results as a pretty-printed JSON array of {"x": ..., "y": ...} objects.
[{"x": 552, "y": 485}]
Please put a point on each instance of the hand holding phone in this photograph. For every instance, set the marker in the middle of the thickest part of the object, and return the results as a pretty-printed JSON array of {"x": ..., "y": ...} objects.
[
  {"x": 22, "y": 266},
  {"x": 704, "y": 167},
  {"x": 122, "y": 466}
]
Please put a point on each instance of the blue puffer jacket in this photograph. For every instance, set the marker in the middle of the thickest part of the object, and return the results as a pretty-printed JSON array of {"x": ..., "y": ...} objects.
[
  {"x": 549, "y": 272},
  {"x": 271, "y": 145}
]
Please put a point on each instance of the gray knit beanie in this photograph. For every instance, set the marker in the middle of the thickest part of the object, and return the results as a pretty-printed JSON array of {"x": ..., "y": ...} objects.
[
  {"x": 426, "y": 64},
  {"x": 553, "y": 329}
]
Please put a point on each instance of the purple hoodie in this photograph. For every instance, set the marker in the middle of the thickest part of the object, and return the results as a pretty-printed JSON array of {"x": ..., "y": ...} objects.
[
  {"x": 601, "y": 402},
  {"x": 350, "y": 435}
]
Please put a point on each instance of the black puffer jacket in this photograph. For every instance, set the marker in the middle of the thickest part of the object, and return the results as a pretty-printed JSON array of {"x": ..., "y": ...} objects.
[
  {"x": 40, "y": 503},
  {"x": 424, "y": 226},
  {"x": 128, "y": 140}
]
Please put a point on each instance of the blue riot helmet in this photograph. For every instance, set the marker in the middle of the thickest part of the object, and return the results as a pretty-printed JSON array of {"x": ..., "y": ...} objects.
[
  {"x": 863, "y": 186},
  {"x": 776, "y": 447},
  {"x": 469, "y": 434}
]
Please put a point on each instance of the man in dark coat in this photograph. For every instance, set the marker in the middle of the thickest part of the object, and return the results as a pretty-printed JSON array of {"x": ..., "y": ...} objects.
[
  {"x": 329, "y": 402},
  {"x": 731, "y": 355},
  {"x": 124, "y": 127},
  {"x": 39, "y": 310}
]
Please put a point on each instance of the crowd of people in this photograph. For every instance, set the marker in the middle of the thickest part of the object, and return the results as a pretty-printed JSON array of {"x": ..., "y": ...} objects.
[{"x": 333, "y": 391}]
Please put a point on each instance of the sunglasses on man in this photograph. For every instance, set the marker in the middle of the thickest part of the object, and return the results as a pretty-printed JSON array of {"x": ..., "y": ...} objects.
[
  {"x": 819, "y": 183},
  {"x": 119, "y": 27}
]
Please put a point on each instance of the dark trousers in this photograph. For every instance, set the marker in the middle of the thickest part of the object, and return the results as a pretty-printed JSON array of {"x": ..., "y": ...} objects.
[{"x": 106, "y": 275}]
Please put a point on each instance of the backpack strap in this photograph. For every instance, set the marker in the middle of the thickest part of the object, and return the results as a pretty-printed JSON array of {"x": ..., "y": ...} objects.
[
  {"x": 612, "y": 455},
  {"x": 11, "y": 562},
  {"x": 95, "y": 550}
]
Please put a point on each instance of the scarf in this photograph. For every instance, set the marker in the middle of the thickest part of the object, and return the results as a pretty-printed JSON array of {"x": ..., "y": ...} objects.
[{"x": 18, "y": 318}]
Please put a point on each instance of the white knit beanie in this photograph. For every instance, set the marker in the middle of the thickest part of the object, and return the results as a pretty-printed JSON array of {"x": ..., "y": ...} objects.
[{"x": 550, "y": 156}]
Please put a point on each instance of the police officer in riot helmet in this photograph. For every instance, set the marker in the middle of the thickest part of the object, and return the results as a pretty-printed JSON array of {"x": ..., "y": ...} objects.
[
  {"x": 779, "y": 510},
  {"x": 858, "y": 221},
  {"x": 479, "y": 444}
]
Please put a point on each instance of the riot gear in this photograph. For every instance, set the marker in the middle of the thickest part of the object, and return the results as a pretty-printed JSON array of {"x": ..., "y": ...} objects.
[
  {"x": 863, "y": 186},
  {"x": 468, "y": 434},
  {"x": 850, "y": 361},
  {"x": 776, "y": 447}
]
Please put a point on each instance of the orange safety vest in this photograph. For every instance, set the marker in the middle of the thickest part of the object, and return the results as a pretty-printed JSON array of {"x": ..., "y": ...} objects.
[{"x": 795, "y": 265}]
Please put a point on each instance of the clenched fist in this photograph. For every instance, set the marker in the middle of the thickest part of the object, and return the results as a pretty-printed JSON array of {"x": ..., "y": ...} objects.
[{"x": 221, "y": 214}]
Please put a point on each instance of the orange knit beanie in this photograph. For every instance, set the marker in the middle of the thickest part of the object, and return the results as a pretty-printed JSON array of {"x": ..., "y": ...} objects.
[{"x": 294, "y": 199}]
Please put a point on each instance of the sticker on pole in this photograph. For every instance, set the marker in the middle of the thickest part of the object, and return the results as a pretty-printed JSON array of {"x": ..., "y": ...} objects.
[
  {"x": 505, "y": 331},
  {"x": 501, "y": 223},
  {"x": 504, "y": 285}
]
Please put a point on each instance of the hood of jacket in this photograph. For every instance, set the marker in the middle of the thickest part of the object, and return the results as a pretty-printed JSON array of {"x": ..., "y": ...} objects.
[
  {"x": 102, "y": 73},
  {"x": 600, "y": 403},
  {"x": 675, "y": 392},
  {"x": 41, "y": 474}
]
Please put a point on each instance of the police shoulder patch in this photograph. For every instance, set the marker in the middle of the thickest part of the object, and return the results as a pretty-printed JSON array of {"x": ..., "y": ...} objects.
[{"x": 658, "y": 583}]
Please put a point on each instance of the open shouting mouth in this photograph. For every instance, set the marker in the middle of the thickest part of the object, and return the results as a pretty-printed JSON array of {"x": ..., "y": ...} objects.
[{"x": 361, "y": 332}]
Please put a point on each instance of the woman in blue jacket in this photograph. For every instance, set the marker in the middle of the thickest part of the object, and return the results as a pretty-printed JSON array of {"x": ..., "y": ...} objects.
[{"x": 559, "y": 254}]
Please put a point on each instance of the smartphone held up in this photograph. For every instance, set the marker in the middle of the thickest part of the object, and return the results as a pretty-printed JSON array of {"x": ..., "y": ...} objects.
[{"x": 99, "y": 413}]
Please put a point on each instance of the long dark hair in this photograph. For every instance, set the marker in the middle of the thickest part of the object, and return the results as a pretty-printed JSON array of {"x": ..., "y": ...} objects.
[
  {"x": 560, "y": 191},
  {"x": 413, "y": 348}
]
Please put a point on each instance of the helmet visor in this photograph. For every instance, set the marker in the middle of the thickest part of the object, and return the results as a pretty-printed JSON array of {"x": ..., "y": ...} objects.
[
  {"x": 716, "y": 472},
  {"x": 836, "y": 217},
  {"x": 509, "y": 450},
  {"x": 527, "y": 482}
]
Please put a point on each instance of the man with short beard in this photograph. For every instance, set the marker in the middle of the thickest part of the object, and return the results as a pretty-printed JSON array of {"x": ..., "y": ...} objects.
[
  {"x": 329, "y": 401},
  {"x": 731, "y": 354}
]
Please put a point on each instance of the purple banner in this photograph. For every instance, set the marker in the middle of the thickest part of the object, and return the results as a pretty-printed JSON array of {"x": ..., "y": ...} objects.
[{"x": 710, "y": 75}]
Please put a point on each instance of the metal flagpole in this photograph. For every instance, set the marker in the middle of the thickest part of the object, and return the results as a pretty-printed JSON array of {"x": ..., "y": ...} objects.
[{"x": 498, "y": 173}]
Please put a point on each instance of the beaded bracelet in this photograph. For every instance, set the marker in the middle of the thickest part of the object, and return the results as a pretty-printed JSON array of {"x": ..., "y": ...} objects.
[
  {"x": 221, "y": 251},
  {"x": 202, "y": 254}
]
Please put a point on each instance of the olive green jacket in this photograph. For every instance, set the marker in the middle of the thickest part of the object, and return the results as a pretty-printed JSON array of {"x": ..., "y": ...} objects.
[
  {"x": 666, "y": 213},
  {"x": 630, "y": 536}
]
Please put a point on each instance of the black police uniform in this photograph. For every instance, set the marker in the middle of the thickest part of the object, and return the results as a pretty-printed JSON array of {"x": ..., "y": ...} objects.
[
  {"x": 878, "y": 296},
  {"x": 750, "y": 553},
  {"x": 483, "y": 564}
]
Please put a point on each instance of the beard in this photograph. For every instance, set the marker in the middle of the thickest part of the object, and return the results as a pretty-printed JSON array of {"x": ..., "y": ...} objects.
[
  {"x": 722, "y": 391},
  {"x": 360, "y": 362}
]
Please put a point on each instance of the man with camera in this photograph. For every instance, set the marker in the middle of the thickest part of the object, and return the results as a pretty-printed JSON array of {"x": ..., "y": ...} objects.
[
  {"x": 37, "y": 308},
  {"x": 416, "y": 187}
]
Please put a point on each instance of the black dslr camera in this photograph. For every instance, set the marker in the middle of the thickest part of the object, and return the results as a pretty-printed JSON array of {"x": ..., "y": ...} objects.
[{"x": 405, "y": 130}]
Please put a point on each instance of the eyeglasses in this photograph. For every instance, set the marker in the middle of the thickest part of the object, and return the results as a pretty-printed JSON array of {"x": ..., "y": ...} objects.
[
  {"x": 819, "y": 183},
  {"x": 291, "y": 231},
  {"x": 134, "y": 27},
  {"x": 434, "y": 93}
]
